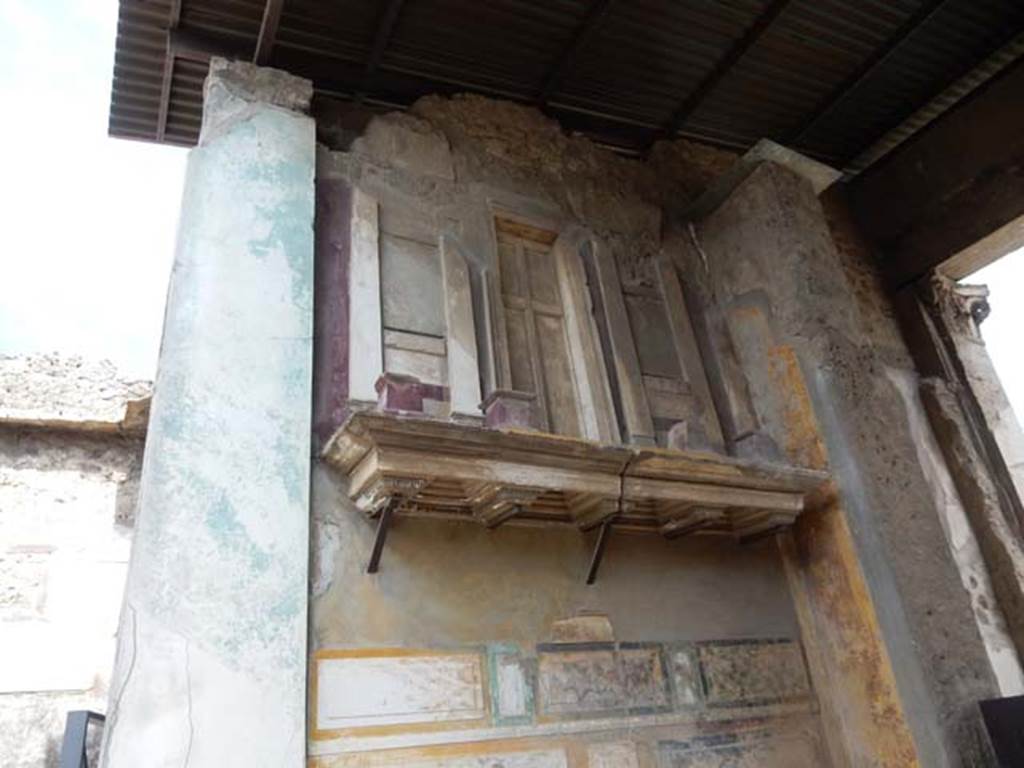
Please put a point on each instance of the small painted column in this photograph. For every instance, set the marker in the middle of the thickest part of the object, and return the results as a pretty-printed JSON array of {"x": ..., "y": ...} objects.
[{"x": 211, "y": 662}]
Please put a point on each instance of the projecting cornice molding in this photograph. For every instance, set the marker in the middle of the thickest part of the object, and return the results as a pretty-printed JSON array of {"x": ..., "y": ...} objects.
[{"x": 427, "y": 467}]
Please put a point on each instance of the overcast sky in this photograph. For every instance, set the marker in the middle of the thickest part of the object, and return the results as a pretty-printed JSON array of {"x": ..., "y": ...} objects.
[
  {"x": 88, "y": 222},
  {"x": 1003, "y": 331}
]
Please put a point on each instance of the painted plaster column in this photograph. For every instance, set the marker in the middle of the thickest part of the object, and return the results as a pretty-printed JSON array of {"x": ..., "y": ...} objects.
[{"x": 211, "y": 662}]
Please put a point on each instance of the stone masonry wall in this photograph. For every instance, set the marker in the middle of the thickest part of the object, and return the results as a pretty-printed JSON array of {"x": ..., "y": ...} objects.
[{"x": 71, "y": 436}]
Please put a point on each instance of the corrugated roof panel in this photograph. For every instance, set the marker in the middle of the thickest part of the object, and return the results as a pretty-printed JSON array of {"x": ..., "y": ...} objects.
[
  {"x": 341, "y": 30},
  {"x": 625, "y": 60},
  {"x": 512, "y": 47},
  {"x": 639, "y": 65},
  {"x": 937, "y": 52},
  {"x": 798, "y": 62}
]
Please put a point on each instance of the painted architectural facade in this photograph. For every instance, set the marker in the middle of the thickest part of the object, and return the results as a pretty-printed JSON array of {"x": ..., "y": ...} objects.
[{"x": 476, "y": 444}]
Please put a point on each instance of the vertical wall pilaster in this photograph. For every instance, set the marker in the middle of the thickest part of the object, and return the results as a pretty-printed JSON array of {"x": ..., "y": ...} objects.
[
  {"x": 333, "y": 311},
  {"x": 463, "y": 366},
  {"x": 366, "y": 346},
  {"x": 211, "y": 663}
]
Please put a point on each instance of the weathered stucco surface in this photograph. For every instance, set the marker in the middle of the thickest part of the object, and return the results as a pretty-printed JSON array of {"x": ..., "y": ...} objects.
[
  {"x": 775, "y": 273},
  {"x": 445, "y": 584},
  {"x": 211, "y": 663},
  {"x": 69, "y": 467},
  {"x": 488, "y": 647}
]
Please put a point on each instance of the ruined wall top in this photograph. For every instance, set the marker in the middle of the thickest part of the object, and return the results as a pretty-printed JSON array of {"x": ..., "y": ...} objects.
[
  {"x": 51, "y": 391},
  {"x": 448, "y": 154},
  {"x": 235, "y": 90},
  {"x": 250, "y": 82},
  {"x": 471, "y": 139}
]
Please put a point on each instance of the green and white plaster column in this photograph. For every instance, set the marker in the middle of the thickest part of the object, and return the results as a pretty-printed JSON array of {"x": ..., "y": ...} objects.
[{"x": 211, "y": 662}]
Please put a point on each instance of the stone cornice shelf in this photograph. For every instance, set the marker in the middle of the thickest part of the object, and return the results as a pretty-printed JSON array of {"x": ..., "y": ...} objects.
[{"x": 426, "y": 467}]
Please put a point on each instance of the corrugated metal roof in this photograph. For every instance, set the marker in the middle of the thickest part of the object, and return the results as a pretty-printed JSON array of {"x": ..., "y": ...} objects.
[{"x": 829, "y": 77}]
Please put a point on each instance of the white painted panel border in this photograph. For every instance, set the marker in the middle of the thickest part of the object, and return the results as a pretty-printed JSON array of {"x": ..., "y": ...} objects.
[{"x": 361, "y": 691}]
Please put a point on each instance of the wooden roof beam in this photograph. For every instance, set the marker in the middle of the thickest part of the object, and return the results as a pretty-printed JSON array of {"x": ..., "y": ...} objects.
[
  {"x": 950, "y": 185},
  {"x": 595, "y": 15},
  {"x": 174, "y": 17},
  {"x": 724, "y": 66},
  {"x": 879, "y": 57},
  {"x": 381, "y": 38},
  {"x": 268, "y": 31},
  {"x": 199, "y": 46}
]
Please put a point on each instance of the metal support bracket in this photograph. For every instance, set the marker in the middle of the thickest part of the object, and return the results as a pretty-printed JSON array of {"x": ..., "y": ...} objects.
[
  {"x": 599, "y": 547},
  {"x": 383, "y": 521}
]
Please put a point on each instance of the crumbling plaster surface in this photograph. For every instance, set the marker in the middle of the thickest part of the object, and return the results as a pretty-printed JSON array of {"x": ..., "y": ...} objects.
[
  {"x": 769, "y": 256},
  {"x": 55, "y": 391},
  {"x": 67, "y": 501},
  {"x": 506, "y": 148},
  {"x": 234, "y": 95}
]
